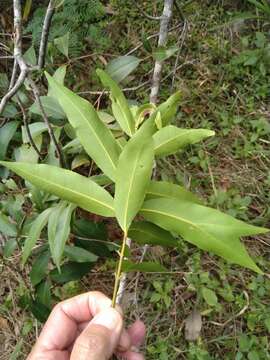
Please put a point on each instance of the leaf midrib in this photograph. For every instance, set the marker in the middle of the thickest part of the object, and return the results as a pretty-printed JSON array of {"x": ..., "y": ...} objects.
[
  {"x": 129, "y": 190},
  {"x": 188, "y": 222},
  {"x": 93, "y": 131},
  {"x": 170, "y": 140},
  {"x": 118, "y": 103},
  {"x": 67, "y": 189}
]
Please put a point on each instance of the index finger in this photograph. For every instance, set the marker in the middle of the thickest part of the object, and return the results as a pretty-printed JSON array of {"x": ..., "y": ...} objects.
[{"x": 60, "y": 330}]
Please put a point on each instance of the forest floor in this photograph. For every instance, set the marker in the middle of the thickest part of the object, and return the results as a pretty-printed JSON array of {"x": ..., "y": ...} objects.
[{"x": 224, "y": 89}]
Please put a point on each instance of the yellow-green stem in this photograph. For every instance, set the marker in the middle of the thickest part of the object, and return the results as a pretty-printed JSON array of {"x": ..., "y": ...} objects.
[{"x": 119, "y": 270}]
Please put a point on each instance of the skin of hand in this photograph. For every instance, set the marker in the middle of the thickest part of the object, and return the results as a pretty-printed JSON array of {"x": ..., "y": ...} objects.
[{"x": 86, "y": 327}]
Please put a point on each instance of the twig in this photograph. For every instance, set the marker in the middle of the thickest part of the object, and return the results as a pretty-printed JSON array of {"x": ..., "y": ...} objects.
[
  {"x": 17, "y": 55},
  {"x": 117, "y": 295},
  {"x": 6, "y": 57},
  {"x": 180, "y": 42},
  {"x": 150, "y": 17},
  {"x": 123, "y": 280},
  {"x": 163, "y": 34},
  {"x": 241, "y": 312},
  {"x": 26, "y": 125},
  {"x": 47, "y": 122},
  {"x": 14, "y": 74},
  {"x": 45, "y": 34}
]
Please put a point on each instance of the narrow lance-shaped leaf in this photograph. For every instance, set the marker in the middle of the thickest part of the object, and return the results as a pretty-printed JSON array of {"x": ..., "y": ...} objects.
[
  {"x": 133, "y": 176},
  {"x": 70, "y": 271},
  {"x": 78, "y": 254},
  {"x": 204, "y": 227},
  {"x": 66, "y": 184},
  {"x": 170, "y": 139},
  {"x": 144, "y": 232},
  {"x": 37, "y": 225},
  {"x": 92, "y": 133},
  {"x": 6, "y": 227},
  {"x": 50, "y": 106},
  {"x": 39, "y": 268},
  {"x": 146, "y": 266},
  {"x": 169, "y": 190},
  {"x": 120, "y": 106},
  {"x": 59, "y": 229},
  {"x": 169, "y": 108},
  {"x": 6, "y": 134},
  {"x": 121, "y": 67}
]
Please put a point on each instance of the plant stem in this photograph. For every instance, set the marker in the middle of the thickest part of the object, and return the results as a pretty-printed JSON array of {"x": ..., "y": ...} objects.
[{"x": 119, "y": 270}]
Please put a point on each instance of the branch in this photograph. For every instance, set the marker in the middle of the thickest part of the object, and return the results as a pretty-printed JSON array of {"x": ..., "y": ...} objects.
[
  {"x": 25, "y": 122},
  {"x": 121, "y": 279},
  {"x": 47, "y": 122},
  {"x": 14, "y": 74},
  {"x": 45, "y": 34},
  {"x": 17, "y": 57},
  {"x": 163, "y": 34}
]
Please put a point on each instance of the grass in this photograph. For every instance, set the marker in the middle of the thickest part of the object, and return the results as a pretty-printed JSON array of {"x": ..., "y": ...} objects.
[{"x": 231, "y": 171}]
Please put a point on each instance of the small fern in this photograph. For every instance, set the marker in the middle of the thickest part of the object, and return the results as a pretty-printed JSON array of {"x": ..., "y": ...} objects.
[{"x": 82, "y": 19}]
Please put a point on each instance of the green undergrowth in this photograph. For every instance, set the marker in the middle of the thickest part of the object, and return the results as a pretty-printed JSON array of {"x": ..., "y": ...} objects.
[{"x": 224, "y": 79}]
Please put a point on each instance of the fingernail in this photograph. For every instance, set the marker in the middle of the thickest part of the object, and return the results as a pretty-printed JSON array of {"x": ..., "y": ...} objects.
[{"x": 110, "y": 318}]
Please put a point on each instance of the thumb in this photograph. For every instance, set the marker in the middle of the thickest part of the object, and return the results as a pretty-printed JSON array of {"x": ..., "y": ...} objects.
[{"x": 101, "y": 337}]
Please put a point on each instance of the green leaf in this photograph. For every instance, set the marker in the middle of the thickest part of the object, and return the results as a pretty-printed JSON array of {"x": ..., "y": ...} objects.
[
  {"x": 92, "y": 133},
  {"x": 36, "y": 129},
  {"x": 90, "y": 229},
  {"x": 10, "y": 111},
  {"x": 39, "y": 310},
  {"x": 142, "y": 112},
  {"x": 17, "y": 350},
  {"x": 79, "y": 254},
  {"x": 70, "y": 271},
  {"x": 59, "y": 230},
  {"x": 101, "y": 179},
  {"x": 129, "y": 266},
  {"x": 58, "y": 76},
  {"x": 6, "y": 134},
  {"x": 121, "y": 67},
  {"x": 162, "y": 53},
  {"x": 132, "y": 177},
  {"x": 30, "y": 56},
  {"x": 6, "y": 227},
  {"x": 26, "y": 153},
  {"x": 66, "y": 184},
  {"x": 144, "y": 232},
  {"x": 9, "y": 247},
  {"x": 80, "y": 160},
  {"x": 169, "y": 108},
  {"x": 120, "y": 108},
  {"x": 43, "y": 293},
  {"x": 34, "y": 233},
  {"x": 207, "y": 228},
  {"x": 170, "y": 139},
  {"x": 98, "y": 248},
  {"x": 209, "y": 296},
  {"x": 51, "y": 108},
  {"x": 62, "y": 44},
  {"x": 39, "y": 268},
  {"x": 169, "y": 190}
]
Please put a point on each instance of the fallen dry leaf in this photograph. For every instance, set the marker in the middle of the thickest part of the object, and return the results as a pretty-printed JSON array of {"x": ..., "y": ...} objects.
[
  {"x": 3, "y": 324},
  {"x": 193, "y": 326}
]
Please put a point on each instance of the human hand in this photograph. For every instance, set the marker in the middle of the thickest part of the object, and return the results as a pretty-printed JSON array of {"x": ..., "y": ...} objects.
[{"x": 86, "y": 327}]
